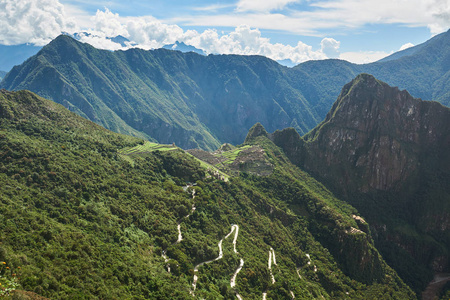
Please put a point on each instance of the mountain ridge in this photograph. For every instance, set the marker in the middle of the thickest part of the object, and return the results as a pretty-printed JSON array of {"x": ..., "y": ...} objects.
[
  {"x": 184, "y": 91},
  {"x": 216, "y": 98},
  {"x": 384, "y": 152},
  {"x": 83, "y": 197}
]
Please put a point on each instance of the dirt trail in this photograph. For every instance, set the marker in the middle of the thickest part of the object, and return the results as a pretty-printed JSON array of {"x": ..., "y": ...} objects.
[
  {"x": 269, "y": 264},
  {"x": 435, "y": 286},
  {"x": 309, "y": 262},
  {"x": 241, "y": 263},
  {"x": 180, "y": 236},
  {"x": 234, "y": 228}
]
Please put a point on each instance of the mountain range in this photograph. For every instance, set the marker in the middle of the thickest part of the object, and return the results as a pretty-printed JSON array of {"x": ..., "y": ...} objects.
[
  {"x": 184, "y": 48},
  {"x": 340, "y": 191},
  {"x": 386, "y": 153},
  {"x": 88, "y": 213},
  {"x": 204, "y": 101}
]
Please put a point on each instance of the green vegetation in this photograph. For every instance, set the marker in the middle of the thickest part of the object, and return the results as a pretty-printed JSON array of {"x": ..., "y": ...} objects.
[
  {"x": 202, "y": 101},
  {"x": 146, "y": 147},
  {"x": 231, "y": 155},
  {"x": 394, "y": 168},
  {"x": 8, "y": 279},
  {"x": 83, "y": 223}
]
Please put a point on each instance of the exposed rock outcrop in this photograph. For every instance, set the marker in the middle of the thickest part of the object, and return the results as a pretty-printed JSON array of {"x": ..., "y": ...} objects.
[{"x": 387, "y": 154}]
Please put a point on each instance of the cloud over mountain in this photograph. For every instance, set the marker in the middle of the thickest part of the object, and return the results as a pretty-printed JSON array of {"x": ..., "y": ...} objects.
[
  {"x": 245, "y": 23},
  {"x": 32, "y": 21},
  {"x": 149, "y": 33}
]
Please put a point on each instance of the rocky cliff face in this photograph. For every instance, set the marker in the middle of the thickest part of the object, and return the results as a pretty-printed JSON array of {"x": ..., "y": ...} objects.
[
  {"x": 387, "y": 154},
  {"x": 376, "y": 137}
]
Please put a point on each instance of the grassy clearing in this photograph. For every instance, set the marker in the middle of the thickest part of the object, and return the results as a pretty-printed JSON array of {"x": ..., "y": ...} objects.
[
  {"x": 147, "y": 147},
  {"x": 231, "y": 155},
  {"x": 212, "y": 168}
]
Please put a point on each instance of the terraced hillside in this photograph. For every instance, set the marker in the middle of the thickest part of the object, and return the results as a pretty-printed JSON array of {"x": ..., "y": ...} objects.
[{"x": 235, "y": 160}]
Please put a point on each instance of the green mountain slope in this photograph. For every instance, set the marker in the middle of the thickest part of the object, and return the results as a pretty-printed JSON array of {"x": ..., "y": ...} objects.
[
  {"x": 193, "y": 100},
  {"x": 422, "y": 70},
  {"x": 386, "y": 153},
  {"x": 202, "y": 101},
  {"x": 87, "y": 213}
]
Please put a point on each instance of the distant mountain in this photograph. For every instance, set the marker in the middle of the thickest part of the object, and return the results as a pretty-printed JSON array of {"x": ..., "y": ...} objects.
[
  {"x": 75, "y": 196},
  {"x": 180, "y": 46},
  {"x": 121, "y": 40},
  {"x": 204, "y": 101},
  {"x": 386, "y": 153},
  {"x": 193, "y": 100},
  {"x": 425, "y": 73},
  {"x": 408, "y": 52},
  {"x": 2, "y": 74}
]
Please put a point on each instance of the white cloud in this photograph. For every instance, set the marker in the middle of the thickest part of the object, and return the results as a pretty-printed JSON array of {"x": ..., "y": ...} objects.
[
  {"x": 213, "y": 7},
  {"x": 432, "y": 13},
  {"x": 146, "y": 32},
  {"x": 109, "y": 23},
  {"x": 100, "y": 42},
  {"x": 330, "y": 47},
  {"x": 329, "y": 15},
  {"x": 247, "y": 41},
  {"x": 264, "y": 6},
  {"x": 32, "y": 21},
  {"x": 363, "y": 57},
  {"x": 440, "y": 11},
  {"x": 150, "y": 33},
  {"x": 406, "y": 46}
]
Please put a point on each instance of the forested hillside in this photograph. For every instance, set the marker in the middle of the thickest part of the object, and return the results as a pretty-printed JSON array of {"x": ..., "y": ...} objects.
[
  {"x": 201, "y": 101},
  {"x": 386, "y": 153},
  {"x": 87, "y": 213}
]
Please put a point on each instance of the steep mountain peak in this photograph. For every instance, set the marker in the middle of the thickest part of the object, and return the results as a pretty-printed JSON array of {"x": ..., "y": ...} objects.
[
  {"x": 255, "y": 131},
  {"x": 62, "y": 41},
  {"x": 387, "y": 154},
  {"x": 367, "y": 104},
  {"x": 377, "y": 130}
]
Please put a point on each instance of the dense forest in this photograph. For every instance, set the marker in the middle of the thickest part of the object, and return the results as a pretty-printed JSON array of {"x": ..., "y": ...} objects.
[{"x": 83, "y": 216}]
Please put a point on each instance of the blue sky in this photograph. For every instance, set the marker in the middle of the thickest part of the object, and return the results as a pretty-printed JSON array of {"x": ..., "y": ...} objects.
[{"x": 355, "y": 30}]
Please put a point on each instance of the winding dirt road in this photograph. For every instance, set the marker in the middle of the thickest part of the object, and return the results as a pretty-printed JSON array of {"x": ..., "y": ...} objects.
[
  {"x": 180, "y": 236},
  {"x": 234, "y": 228},
  {"x": 269, "y": 263}
]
